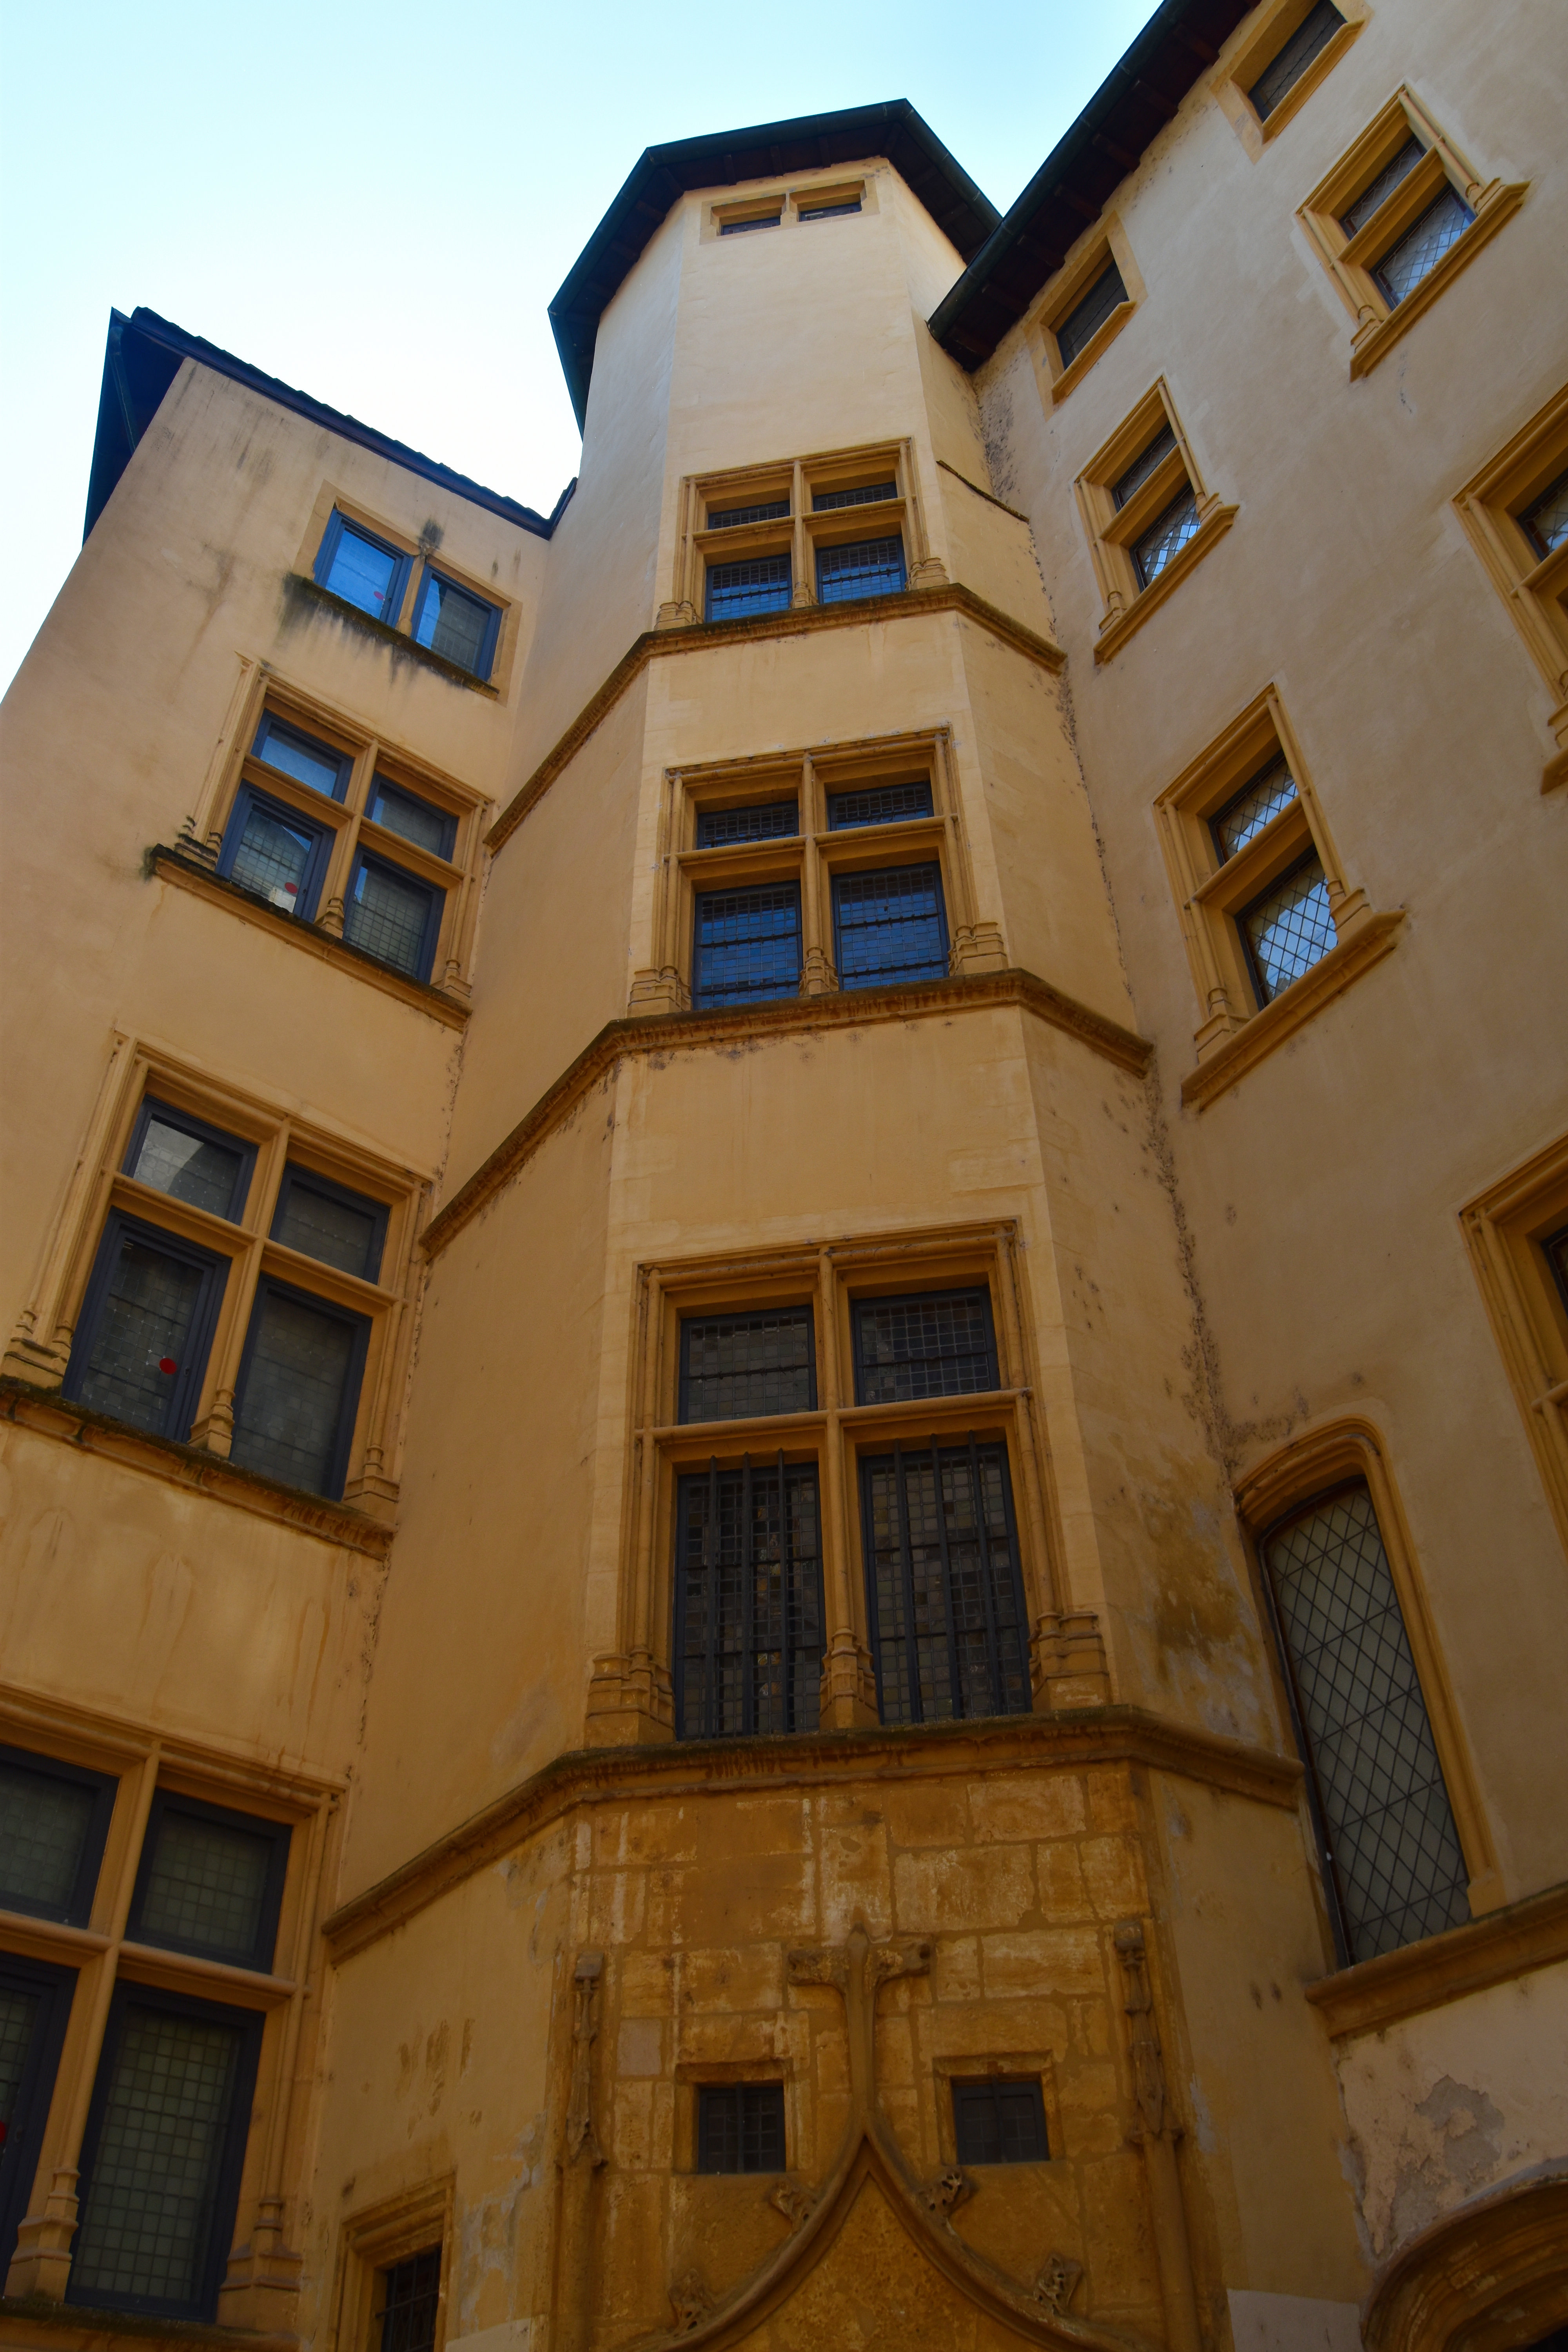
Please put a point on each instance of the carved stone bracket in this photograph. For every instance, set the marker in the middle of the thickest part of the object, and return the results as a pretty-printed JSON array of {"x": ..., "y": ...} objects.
[
  {"x": 946, "y": 2193},
  {"x": 689, "y": 2301},
  {"x": 1057, "y": 2282},
  {"x": 792, "y": 2200}
]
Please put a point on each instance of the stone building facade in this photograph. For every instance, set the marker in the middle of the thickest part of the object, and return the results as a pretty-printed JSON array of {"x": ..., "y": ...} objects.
[{"x": 786, "y": 1264}]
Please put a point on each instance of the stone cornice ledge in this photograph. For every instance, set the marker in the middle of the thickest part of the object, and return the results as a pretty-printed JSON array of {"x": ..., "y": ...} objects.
[
  {"x": 50, "y": 1415},
  {"x": 1490, "y": 1951},
  {"x": 857, "y": 1008},
  {"x": 1257, "y": 1038},
  {"x": 801, "y": 620},
  {"x": 691, "y": 1768},
  {"x": 74, "y": 2327}
]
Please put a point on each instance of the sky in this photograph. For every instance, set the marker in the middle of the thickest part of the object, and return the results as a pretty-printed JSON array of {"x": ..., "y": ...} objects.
[{"x": 377, "y": 202}]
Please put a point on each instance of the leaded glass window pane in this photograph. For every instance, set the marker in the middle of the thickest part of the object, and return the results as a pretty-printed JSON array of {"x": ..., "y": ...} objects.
[
  {"x": 1087, "y": 316},
  {"x": 999, "y": 2123},
  {"x": 291, "y": 1410},
  {"x": 18, "y": 2018},
  {"x": 948, "y": 1629},
  {"x": 206, "y": 1887},
  {"x": 299, "y": 756},
  {"x": 766, "y": 511},
  {"x": 771, "y": 821},
  {"x": 143, "y": 1336},
  {"x": 748, "y": 945},
  {"x": 1379, "y": 190},
  {"x": 453, "y": 624},
  {"x": 1283, "y": 71},
  {"x": 1141, "y": 468},
  {"x": 387, "y": 914},
  {"x": 889, "y": 927},
  {"x": 364, "y": 573},
  {"x": 748, "y": 1624},
  {"x": 871, "y": 567},
  {"x": 937, "y": 1343},
  {"x": 1422, "y": 245},
  {"x": 408, "y": 2301},
  {"x": 148, "y": 2216},
  {"x": 1290, "y": 928},
  {"x": 415, "y": 820},
  {"x": 273, "y": 858},
  {"x": 1165, "y": 537},
  {"x": 1254, "y": 806},
  {"x": 878, "y": 805},
  {"x": 1395, "y": 1855},
  {"x": 188, "y": 1167},
  {"x": 740, "y": 2128},
  {"x": 869, "y": 494},
  {"x": 761, "y": 584},
  {"x": 1546, "y": 521},
  {"x": 340, "y": 1231},
  {"x": 43, "y": 1828},
  {"x": 733, "y": 1367}
]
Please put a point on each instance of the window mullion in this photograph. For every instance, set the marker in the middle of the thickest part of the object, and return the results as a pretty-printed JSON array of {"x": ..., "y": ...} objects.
[
  {"x": 907, "y": 1567},
  {"x": 747, "y": 1602},
  {"x": 710, "y": 1578},
  {"x": 988, "y": 1594},
  {"x": 786, "y": 1662},
  {"x": 949, "y": 1602}
]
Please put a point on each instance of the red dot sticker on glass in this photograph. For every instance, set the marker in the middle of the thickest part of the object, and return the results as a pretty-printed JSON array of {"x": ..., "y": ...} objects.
[{"x": 167, "y": 1364}]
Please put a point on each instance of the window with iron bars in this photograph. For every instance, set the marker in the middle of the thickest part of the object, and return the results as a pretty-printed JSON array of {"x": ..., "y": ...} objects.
[
  {"x": 748, "y": 1600},
  {"x": 945, "y": 1600},
  {"x": 830, "y": 529}
]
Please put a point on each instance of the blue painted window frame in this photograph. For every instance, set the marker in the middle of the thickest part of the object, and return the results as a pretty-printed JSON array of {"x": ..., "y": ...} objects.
[
  {"x": 381, "y": 784},
  {"x": 54, "y": 1985},
  {"x": 104, "y": 1788},
  {"x": 329, "y": 752},
  {"x": 306, "y": 1180},
  {"x": 251, "y": 796},
  {"x": 398, "y": 588},
  {"x": 482, "y": 666},
  {"x": 180, "y": 1410},
  {"x": 270, "y": 1285},
  {"x": 277, "y": 1835},
  {"x": 435, "y": 902},
  {"x": 167, "y": 1116}
]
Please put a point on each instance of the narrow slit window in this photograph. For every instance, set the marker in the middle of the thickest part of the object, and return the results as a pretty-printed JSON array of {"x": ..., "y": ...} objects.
[
  {"x": 999, "y": 2122},
  {"x": 937, "y": 1343},
  {"x": 889, "y": 927},
  {"x": 737, "y": 1367},
  {"x": 748, "y": 1600},
  {"x": 210, "y": 1883},
  {"x": 408, "y": 2302},
  {"x": 1289, "y": 929},
  {"x": 740, "y": 2128},
  {"x": 735, "y": 591},
  {"x": 871, "y": 567},
  {"x": 1285, "y": 69},
  {"x": 1256, "y": 806},
  {"x": 764, "y": 821},
  {"x": 829, "y": 211},
  {"x": 758, "y": 220},
  {"x": 748, "y": 945},
  {"x": 878, "y": 805},
  {"x": 189, "y": 1161},
  {"x": 298, "y": 1387},
  {"x": 945, "y": 1594},
  {"x": 1089, "y": 313}
]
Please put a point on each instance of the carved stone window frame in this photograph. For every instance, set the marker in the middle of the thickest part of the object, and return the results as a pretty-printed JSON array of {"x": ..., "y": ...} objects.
[
  {"x": 694, "y": 2075},
  {"x": 1272, "y": 28},
  {"x": 380, "y": 2235},
  {"x": 1112, "y": 530},
  {"x": 1504, "y": 1228},
  {"x": 949, "y": 2065},
  {"x": 1107, "y": 242},
  {"x": 1534, "y": 588}
]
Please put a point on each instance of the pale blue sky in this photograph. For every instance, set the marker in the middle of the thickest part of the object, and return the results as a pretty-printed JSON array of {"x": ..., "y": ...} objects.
[{"x": 375, "y": 202}]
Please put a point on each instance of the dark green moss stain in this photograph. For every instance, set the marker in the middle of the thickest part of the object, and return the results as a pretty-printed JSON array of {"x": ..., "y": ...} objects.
[{"x": 303, "y": 603}]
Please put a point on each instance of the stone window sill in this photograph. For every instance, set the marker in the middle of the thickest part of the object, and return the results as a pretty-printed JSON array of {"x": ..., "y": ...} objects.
[
  {"x": 1505, "y": 1944},
  {"x": 1498, "y": 204},
  {"x": 1368, "y": 943},
  {"x": 1115, "y": 632}
]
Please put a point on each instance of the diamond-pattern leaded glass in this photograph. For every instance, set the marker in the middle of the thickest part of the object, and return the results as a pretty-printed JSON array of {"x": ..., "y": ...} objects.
[
  {"x": 734, "y": 1367},
  {"x": 740, "y": 2128},
  {"x": 871, "y": 567},
  {"x": 1289, "y": 929},
  {"x": 273, "y": 858},
  {"x": 937, "y": 1343},
  {"x": 43, "y": 1825},
  {"x": 1285, "y": 69},
  {"x": 869, "y": 494},
  {"x": 1395, "y": 1854},
  {"x": 764, "y": 821},
  {"x": 761, "y": 584},
  {"x": 1546, "y": 520},
  {"x": 889, "y": 927},
  {"x": 141, "y": 1341},
  {"x": 1378, "y": 191},
  {"x": 1253, "y": 807},
  {"x": 748, "y": 945},
  {"x": 999, "y": 2123},
  {"x": 148, "y": 2215},
  {"x": 768, "y": 510},
  {"x": 1422, "y": 245},
  {"x": 1142, "y": 465},
  {"x": 1087, "y": 317},
  {"x": 206, "y": 1888},
  {"x": 286, "y": 1418},
  {"x": 408, "y": 2302},
  {"x": 387, "y": 915},
  {"x": 748, "y": 1573},
  {"x": 1165, "y": 537},
  {"x": 19, "y": 2015},
  {"x": 188, "y": 1167},
  {"x": 949, "y": 1633},
  {"x": 878, "y": 805}
]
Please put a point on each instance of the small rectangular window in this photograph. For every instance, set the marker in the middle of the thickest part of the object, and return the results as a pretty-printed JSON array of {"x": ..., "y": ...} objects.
[
  {"x": 393, "y": 916},
  {"x": 1089, "y": 314},
  {"x": 1253, "y": 807},
  {"x": 1289, "y": 929},
  {"x": 867, "y": 495},
  {"x": 757, "y": 220},
  {"x": 54, "y": 1819},
  {"x": 147, "y": 1321},
  {"x": 766, "y": 821},
  {"x": 299, "y": 1389},
  {"x": 740, "y": 2128},
  {"x": 878, "y": 805},
  {"x": 190, "y": 1161},
  {"x": 402, "y": 812},
  {"x": 829, "y": 212},
  {"x": 271, "y": 850},
  {"x": 748, "y": 1600},
  {"x": 458, "y": 625},
  {"x": 731, "y": 517},
  {"x": 364, "y": 571},
  {"x": 407, "y": 2303},
  {"x": 870, "y": 567},
  {"x": 748, "y": 945},
  {"x": 328, "y": 1222},
  {"x": 294, "y": 753},
  {"x": 889, "y": 927},
  {"x": 1285, "y": 69},
  {"x": 34, "y": 2008},
  {"x": 210, "y": 1882},
  {"x": 944, "y": 1595},
  {"x": 999, "y": 2122},
  {"x": 936, "y": 1343},
  {"x": 735, "y": 591},
  {"x": 163, "y": 2152},
  {"x": 735, "y": 1367}
]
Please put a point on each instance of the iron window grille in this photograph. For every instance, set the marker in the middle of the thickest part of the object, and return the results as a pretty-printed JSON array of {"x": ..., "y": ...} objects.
[
  {"x": 1394, "y": 1865},
  {"x": 210, "y": 1883},
  {"x": 1165, "y": 537},
  {"x": 1285, "y": 69},
  {"x": 416, "y": 820},
  {"x": 1087, "y": 315},
  {"x": 761, "y": 583},
  {"x": 869, "y": 494},
  {"x": 944, "y": 1592},
  {"x": 162, "y": 2153},
  {"x": 328, "y": 1222},
  {"x": 889, "y": 927},
  {"x": 1545, "y": 521},
  {"x": 35, "y": 2009},
  {"x": 364, "y": 571},
  {"x": 146, "y": 1326},
  {"x": 747, "y": 945},
  {"x": 1417, "y": 253},
  {"x": 1288, "y": 927},
  {"x": 453, "y": 622},
  {"x": 737, "y": 1367},
  {"x": 764, "y": 821},
  {"x": 1246, "y": 813},
  {"x": 54, "y": 1819},
  {"x": 190, "y": 1159},
  {"x": 408, "y": 2303},
  {"x": 869, "y": 567},
  {"x": 740, "y": 2128},
  {"x": 996, "y": 2121},
  {"x": 748, "y": 1600},
  {"x": 288, "y": 749},
  {"x": 879, "y": 805},
  {"x": 393, "y": 914},
  {"x": 933, "y": 1343},
  {"x": 276, "y": 853},
  {"x": 298, "y": 1390},
  {"x": 766, "y": 511}
]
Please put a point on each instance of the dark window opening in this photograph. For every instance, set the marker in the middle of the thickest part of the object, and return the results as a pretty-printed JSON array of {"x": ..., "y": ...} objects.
[
  {"x": 210, "y": 1882},
  {"x": 889, "y": 927},
  {"x": 270, "y": 850},
  {"x": 190, "y": 1161},
  {"x": 765, "y": 511},
  {"x": 1395, "y": 1867},
  {"x": 998, "y": 2122},
  {"x": 759, "y": 220},
  {"x": 147, "y": 1320},
  {"x": 740, "y": 2128},
  {"x": 461, "y": 627},
  {"x": 1139, "y": 471},
  {"x": 1258, "y": 802},
  {"x": 829, "y": 212},
  {"x": 1556, "y": 1248},
  {"x": 748, "y": 945},
  {"x": 1378, "y": 191},
  {"x": 869, "y": 494},
  {"x": 34, "y": 2008},
  {"x": 871, "y": 567},
  {"x": 1285, "y": 69},
  {"x": 1417, "y": 253},
  {"x": 1545, "y": 520},
  {"x": 1165, "y": 537},
  {"x": 1089, "y": 313},
  {"x": 936, "y": 1343},
  {"x": 299, "y": 1389},
  {"x": 363, "y": 570},
  {"x": 748, "y": 1600},
  {"x": 764, "y": 821},
  {"x": 418, "y": 820},
  {"x": 408, "y": 2300},
  {"x": 393, "y": 916},
  {"x": 735, "y": 1367},
  {"x": 300, "y": 755},
  {"x": 328, "y": 1222},
  {"x": 1289, "y": 929},
  {"x": 735, "y": 591},
  {"x": 54, "y": 1819},
  {"x": 878, "y": 805},
  {"x": 944, "y": 1593}
]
